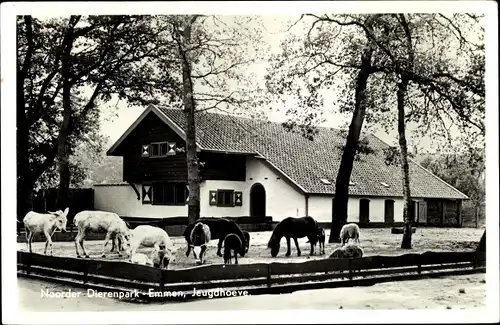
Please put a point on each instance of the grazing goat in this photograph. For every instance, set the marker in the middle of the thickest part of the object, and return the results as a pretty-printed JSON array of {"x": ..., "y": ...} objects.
[
  {"x": 149, "y": 236},
  {"x": 231, "y": 243},
  {"x": 116, "y": 241},
  {"x": 200, "y": 236},
  {"x": 47, "y": 223},
  {"x": 347, "y": 251},
  {"x": 100, "y": 221},
  {"x": 246, "y": 234},
  {"x": 139, "y": 258},
  {"x": 348, "y": 231}
]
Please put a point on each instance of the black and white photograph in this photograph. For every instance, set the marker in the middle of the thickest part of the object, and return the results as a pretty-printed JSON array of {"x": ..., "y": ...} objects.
[{"x": 249, "y": 162}]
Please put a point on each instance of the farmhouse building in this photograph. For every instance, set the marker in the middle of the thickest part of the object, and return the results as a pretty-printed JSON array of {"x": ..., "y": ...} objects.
[{"x": 251, "y": 167}]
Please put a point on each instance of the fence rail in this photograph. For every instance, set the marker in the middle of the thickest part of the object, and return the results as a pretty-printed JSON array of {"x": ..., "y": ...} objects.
[{"x": 257, "y": 278}]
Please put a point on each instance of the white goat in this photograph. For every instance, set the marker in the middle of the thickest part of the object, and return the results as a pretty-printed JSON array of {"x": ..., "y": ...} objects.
[
  {"x": 100, "y": 221},
  {"x": 149, "y": 236},
  {"x": 348, "y": 231},
  {"x": 44, "y": 222}
]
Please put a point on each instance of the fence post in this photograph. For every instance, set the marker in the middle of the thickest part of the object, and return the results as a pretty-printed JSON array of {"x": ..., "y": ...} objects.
[
  {"x": 350, "y": 269},
  {"x": 419, "y": 264},
  {"x": 85, "y": 271},
  {"x": 28, "y": 264},
  {"x": 269, "y": 275},
  {"x": 163, "y": 277}
]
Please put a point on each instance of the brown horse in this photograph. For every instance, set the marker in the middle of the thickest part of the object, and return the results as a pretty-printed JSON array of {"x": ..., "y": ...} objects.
[{"x": 293, "y": 228}]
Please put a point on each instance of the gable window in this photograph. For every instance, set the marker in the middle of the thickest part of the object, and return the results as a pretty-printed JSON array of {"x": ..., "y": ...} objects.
[
  {"x": 161, "y": 149},
  {"x": 170, "y": 194},
  {"x": 225, "y": 198}
]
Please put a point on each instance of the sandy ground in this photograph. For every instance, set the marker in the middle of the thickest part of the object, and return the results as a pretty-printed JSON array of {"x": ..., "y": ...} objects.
[
  {"x": 377, "y": 241},
  {"x": 457, "y": 292}
]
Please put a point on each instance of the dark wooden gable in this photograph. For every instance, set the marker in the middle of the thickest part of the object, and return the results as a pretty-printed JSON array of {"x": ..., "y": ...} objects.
[{"x": 139, "y": 167}]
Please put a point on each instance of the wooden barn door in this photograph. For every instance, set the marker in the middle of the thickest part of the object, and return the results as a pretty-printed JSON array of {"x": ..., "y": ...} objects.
[
  {"x": 389, "y": 212},
  {"x": 364, "y": 211},
  {"x": 422, "y": 212}
]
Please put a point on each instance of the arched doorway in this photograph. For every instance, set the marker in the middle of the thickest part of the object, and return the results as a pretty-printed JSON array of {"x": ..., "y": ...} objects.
[{"x": 257, "y": 201}]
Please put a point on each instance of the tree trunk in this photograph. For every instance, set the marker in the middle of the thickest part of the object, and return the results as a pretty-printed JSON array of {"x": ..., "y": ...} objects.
[
  {"x": 189, "y": 112},
  {"x": 24, "y": 176},
  {"x": 339, "y": 213},
  {"x": 62, "y": 140},
  {"x": 24, "y": 179},
  {"x": 401, "y": 97},
  {"x": 63, "y": 156},
  {"x": 407, "y": 228},
  {"x": 476, "y": 214}
]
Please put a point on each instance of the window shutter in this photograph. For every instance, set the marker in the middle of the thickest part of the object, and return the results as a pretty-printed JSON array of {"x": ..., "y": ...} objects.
[
  {"x": 145, "y": 150},
  {"x": 238, "y": 199},
  {"x": 146, "y": 193},
  {"x": 171, "y": 149},
  {"x": 213, "y": 198}
]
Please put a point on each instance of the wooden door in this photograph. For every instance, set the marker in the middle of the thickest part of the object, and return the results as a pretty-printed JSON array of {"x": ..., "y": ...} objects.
[
  {"x": 422, "y": 212},
  {"x": 364, "y": 211},
  {"x": 389, "y": 212}
]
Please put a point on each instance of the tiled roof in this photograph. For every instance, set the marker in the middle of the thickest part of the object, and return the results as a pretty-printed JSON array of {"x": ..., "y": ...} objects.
[{"x": 307, "y": 162}]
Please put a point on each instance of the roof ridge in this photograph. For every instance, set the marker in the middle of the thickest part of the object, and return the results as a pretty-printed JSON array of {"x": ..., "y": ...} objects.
[{"x": 259, "y": 119}]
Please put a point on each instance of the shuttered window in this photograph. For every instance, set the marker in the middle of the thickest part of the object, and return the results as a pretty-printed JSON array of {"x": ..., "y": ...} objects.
[
  {"x": 169, "y": 193},
  {"x": 225, "y": 198},
  {"x": 161, "y": 149}
]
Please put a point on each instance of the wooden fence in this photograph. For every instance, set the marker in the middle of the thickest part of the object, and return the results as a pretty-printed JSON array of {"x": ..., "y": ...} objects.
[{"x": 260, "y": 278}]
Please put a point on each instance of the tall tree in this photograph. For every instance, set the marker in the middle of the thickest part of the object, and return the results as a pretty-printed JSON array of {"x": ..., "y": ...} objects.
[
  {"x": 408, "y": 221},
  {"x": 182, "y": 34},
  {"x": 434, "y": 75},
  {"x": 330, "y": 50},
  {"x": 212, "y": 55},
  {"x": 399, "y": 46},
  {"x": 88, "y": 59}
]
